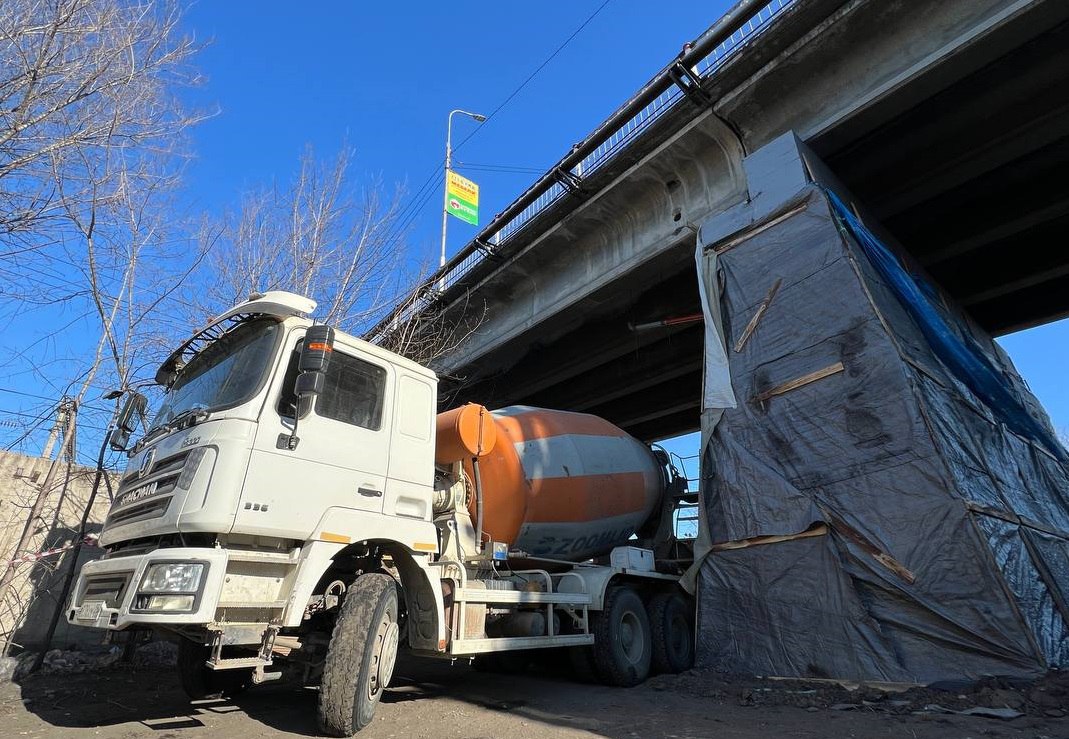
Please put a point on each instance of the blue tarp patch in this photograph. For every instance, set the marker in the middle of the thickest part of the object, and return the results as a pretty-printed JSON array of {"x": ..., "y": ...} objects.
[{"x": 959, "y": 353}]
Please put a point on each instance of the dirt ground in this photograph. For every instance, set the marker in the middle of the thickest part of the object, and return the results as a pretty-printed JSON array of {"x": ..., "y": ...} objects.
[{"x": 434, "y": 699}]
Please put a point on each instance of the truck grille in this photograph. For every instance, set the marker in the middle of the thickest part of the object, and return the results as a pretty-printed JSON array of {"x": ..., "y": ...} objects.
[
  {"x": 108, "y": 588},
  {"x": 174, "y": 463},
  {"x": 141, "y": 498},
  {"x": 152, "y": 508}
]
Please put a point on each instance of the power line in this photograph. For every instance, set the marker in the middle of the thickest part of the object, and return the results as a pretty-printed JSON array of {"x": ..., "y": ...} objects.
[
  {"x": 30, "y": 427},
  {"x": 84, "y": 406},
  {"x": 422, "y": 196},
  {"x": 419, "y": 200},
  {"x": 35, "y": 417},
  {"x": 533, "y": 74},
  {"x": 499, "y": 168}
]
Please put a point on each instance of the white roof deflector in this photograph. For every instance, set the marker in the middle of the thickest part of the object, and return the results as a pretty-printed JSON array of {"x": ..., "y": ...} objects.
[{"x": 272, "y": 303}]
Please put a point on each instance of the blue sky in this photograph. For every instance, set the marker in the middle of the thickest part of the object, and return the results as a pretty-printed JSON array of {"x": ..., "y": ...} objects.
[{"x": 383, "y": 77}]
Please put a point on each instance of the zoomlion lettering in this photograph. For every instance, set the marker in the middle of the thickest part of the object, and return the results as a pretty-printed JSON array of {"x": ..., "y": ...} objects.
[{"x": 555, "y": 546}]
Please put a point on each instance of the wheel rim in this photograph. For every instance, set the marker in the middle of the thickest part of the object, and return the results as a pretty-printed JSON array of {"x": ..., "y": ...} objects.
[
  {"x": 632, "y": 638},
  {"x": 383, "y": 658}
]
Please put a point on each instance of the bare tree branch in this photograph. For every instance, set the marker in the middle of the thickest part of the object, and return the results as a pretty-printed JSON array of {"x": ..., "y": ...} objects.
[{"x": 321, "y": 236}]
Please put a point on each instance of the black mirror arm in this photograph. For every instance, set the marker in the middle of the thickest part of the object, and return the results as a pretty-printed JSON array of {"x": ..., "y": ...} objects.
[
  {"x": 312, "y": 364},
  {"x": 307, "y": 387},
  {"x": 125, "y": 420}
]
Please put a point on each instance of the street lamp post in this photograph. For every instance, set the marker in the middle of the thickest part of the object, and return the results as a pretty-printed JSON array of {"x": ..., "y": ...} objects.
[{"x": 448, "y": 163}]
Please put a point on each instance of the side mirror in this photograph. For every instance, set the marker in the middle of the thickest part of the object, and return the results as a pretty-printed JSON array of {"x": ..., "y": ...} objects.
[
  {"x": 315, "y": 358},
  {"x": 317, "y": 348},
  {"x": 126, "y": 423}
]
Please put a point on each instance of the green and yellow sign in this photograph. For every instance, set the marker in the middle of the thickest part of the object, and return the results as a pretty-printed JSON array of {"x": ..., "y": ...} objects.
[{"x": 462, "y": 198}]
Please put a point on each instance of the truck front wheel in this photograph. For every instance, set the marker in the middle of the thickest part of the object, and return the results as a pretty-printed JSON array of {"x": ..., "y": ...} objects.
[
  {"x": 622, "y": 641},
  {"x": 361, "y": 655}
]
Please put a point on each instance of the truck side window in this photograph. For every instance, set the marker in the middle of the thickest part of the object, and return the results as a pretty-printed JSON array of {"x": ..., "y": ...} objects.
[{"x": 354, "y": 392}]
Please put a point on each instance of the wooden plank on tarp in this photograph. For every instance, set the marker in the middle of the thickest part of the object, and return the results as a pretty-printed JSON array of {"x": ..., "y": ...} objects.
[{"x": 798, "y": 382}]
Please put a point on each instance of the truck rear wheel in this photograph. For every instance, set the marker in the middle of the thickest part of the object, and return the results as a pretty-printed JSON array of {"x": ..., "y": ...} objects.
[
  {"x": 622, "y": 640},
  {"x": 673, "y": 633},
  {"x": 361, "y": 656},
  {"x": 199, "y": 681}
]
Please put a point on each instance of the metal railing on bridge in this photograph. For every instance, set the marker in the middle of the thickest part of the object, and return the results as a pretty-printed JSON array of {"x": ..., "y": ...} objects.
[{"x": 741, "y": 24}]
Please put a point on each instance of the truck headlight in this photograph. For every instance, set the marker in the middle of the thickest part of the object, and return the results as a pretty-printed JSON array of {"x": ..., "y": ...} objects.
[
  {"x": 169, "y": 587},
  {"x": 172, "y": 577}
]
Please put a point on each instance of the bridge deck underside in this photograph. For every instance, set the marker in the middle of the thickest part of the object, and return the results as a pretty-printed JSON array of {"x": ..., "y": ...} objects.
[
  {"x": 973, "y": 183},
  {"x": 971, "y": 180},
  {"x": 648, "y": 381}
]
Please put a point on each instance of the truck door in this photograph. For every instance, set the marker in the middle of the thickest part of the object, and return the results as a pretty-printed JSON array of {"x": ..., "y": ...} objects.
[{"x": 343, "y": 453}]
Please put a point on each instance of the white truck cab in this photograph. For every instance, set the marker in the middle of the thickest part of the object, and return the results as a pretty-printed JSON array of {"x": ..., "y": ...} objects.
[{"x": 266, "y": 518}]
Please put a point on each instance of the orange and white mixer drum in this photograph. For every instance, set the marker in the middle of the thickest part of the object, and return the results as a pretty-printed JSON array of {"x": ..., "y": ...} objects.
[{"x": 565, "y": 485}]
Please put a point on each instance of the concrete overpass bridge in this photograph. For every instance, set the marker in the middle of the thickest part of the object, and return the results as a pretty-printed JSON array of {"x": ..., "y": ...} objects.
[{"x": 949, "y": 120}]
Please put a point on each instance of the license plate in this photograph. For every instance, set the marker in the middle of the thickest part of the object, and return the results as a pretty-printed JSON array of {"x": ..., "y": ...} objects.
[{"x": 89, "y": 611}]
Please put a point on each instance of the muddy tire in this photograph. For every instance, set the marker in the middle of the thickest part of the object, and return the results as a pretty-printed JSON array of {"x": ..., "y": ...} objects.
[
  {"x": 672, "y": 628},
  {"x": 361, "y": 655},
  {"x": 622, "y": 639},
  {"x": 199, "y": 681}
]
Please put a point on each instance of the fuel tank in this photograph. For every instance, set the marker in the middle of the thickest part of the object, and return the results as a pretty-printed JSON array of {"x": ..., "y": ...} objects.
[{"x": 556, "y": 484}]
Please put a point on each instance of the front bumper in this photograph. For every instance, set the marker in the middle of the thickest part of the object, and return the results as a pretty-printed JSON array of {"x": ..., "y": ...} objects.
[{"x": 108, "y": 587}]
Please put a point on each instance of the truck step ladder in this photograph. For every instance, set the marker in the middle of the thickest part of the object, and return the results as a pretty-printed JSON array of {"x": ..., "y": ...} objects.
[{"x": 263, "y": 658}]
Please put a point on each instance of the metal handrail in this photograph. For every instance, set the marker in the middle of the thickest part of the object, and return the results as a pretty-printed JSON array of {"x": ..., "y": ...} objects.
[{"x": 745, "y": 20}]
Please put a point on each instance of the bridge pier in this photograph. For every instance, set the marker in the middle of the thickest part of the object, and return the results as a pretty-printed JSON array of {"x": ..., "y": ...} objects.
[{"x": 882, "y": 497}]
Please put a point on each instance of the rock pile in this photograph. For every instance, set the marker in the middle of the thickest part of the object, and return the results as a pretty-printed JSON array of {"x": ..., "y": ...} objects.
[{"x": 71, "y": 661}]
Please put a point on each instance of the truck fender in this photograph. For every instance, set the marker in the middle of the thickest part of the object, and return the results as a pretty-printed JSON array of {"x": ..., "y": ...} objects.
[
  {"x": 316, "y": 557},
  {"x": 423, "y": 597},
  {"x": 419, "y": 582},
  {"x": 593, "y": 580}
]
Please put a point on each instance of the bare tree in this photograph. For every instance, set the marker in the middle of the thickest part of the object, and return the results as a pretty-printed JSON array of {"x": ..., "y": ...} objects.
[
  {"x": 321, "y": 235},
  {"x": 340, "y": 243},
  {"x": 78, "y": 79},
  {"x": 91, "y": 147},
  {"x": 423, "y": 330},
  {"x": 132, "y": 265},
  {"x": 90, "y": 136}
]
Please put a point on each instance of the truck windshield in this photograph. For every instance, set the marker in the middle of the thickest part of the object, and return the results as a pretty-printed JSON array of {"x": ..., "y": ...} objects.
[{"x": 228, "y": 372}]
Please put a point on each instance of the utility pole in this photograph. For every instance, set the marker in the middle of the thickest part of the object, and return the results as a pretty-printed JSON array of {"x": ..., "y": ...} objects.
[
  {"x": 64, "y": 414},
  {"x": 478, "y": 118},
  {"x": 43, "y": 491},
  {"x": 72, "y": 558}
]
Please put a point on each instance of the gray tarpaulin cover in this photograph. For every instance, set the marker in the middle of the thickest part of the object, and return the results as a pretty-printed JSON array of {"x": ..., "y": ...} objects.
[{"x": 873, "y": 512}]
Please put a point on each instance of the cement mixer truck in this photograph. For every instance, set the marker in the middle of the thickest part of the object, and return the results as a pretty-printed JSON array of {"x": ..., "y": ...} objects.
[{"x": 298, "y": 505}]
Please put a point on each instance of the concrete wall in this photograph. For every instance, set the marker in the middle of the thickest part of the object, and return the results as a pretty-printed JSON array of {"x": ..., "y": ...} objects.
[{"x": 26, "y": 610}]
